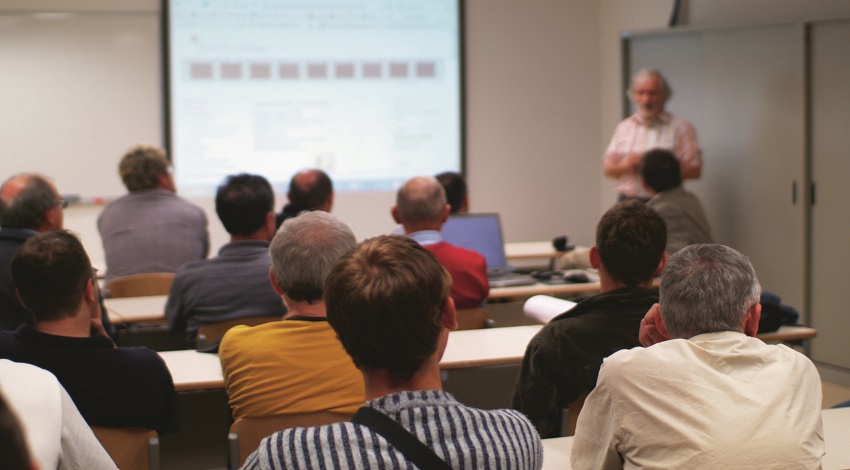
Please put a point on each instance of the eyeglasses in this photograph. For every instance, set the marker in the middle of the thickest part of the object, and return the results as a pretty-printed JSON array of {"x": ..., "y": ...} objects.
[{"x": 62, "y": 203}]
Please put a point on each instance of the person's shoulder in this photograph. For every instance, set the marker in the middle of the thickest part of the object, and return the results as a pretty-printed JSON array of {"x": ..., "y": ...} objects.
[
  {"x": 114, "y": 206},
  {"x": 193, "y": 270},
  {"x": 246, "y": 338},
  {"x": 288, "y": 447},
  {"x": 139, "y": 356},
  {"x": 9, "y": 340},
  {"x": 459, "y": 251},
  {"x": 678, "y": 121},
  {"x": 36, "y": 378},
  {"x": 627, "y": 359}
]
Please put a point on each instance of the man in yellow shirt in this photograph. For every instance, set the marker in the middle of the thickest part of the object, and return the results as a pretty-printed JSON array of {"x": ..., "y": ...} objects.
[{"x": 296, "y": 365}]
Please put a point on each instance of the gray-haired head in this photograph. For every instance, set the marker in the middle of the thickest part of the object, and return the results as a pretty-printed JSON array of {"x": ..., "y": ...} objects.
[
  {"x": 304, "y": 250},
  {"x": 25, "y": 200},
  {"x": 421, "y": 199},
  {"x": 645, "y": 73},
  {"x": 707, "y": 289}
]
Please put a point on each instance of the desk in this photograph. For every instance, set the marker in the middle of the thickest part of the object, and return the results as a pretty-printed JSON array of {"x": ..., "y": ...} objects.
[
  {"x": 193, "y": 370},
  {"x": 544, "y": 289},
  {"x": 136, "y": 309},
  {"x": 488, "y": 347},
  {"x": 556, "y": 453},
  {"x": 789, "y": 333},
  {"x": 531, "y": 250},
  {"x": 836, "y": 434}
]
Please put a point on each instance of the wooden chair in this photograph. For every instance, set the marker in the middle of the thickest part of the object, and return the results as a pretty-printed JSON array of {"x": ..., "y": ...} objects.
[
  {"x": 569, "y": 415},
  {"x": 130, "y": 448},
  {"x": 140, "y": 285},
  {"x": 246, "y": 433},
  {"x": 473, "y": 318},
  {"x": 213, "y": 332}
]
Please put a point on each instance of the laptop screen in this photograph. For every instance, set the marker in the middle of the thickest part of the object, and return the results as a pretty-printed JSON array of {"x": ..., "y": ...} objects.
[{"x": 478, "y": 232}]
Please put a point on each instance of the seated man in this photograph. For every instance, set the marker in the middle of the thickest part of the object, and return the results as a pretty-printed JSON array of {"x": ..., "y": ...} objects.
[
  {"x": 422, "y": 210},
  {"x": 29, "y": 204},
  {"x": 712, "y": 397},
  {"x": 236, "y": 283},
  {"x": 309, "y": 190},
  {"x": 113, "y": 387},
  {"x": 680, "y": 209},
  {"x": 563, "y": 359},
  {"x": 56, "y": 434},
  {"x": 295, "y": 365},
  {"x": 151, "y": 229},
  {"x": 389, "y": 303}
]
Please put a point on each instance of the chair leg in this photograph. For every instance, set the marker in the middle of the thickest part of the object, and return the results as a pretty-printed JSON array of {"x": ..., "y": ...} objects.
[
  {"x": 153, "y": 453},
  {"x": 233, "y": 442}
]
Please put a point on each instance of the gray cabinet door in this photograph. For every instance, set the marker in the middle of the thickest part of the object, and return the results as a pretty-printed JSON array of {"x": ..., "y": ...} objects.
[{"x": 830, "y": 78}]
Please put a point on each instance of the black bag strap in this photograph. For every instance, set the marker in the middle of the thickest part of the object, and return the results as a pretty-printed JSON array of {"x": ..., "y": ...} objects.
[{"x": 413, "y": 449}]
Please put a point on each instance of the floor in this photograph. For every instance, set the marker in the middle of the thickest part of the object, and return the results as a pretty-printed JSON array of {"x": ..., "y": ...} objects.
[{"x": 834, "y": 393}]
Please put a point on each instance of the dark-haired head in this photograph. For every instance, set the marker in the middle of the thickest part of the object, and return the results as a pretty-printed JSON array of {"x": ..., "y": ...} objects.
[
  {"x": 631, "y": 238},
  {"x": 243, "y": 203},
  {"x": 50, "y": 271},
  {"x": 660, "y": 170}
]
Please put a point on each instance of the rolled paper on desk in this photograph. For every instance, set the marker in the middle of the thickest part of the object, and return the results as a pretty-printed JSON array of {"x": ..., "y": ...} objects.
[{"x": 544, "y": 307}]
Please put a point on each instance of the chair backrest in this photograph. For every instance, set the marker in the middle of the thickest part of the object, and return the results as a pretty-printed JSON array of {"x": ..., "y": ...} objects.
[
  {"x": 570, "y": 414},
  {"x": 246, "y": 433},
  {"x": 130, "y": 448},
  {"x": 213, "y": 332},
  {"x": 473, "y": 318},
  {"x": 140, "y": 285}
]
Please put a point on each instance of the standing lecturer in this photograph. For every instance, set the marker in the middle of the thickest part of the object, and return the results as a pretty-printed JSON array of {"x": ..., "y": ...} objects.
[{"x": 649, "y": 128}]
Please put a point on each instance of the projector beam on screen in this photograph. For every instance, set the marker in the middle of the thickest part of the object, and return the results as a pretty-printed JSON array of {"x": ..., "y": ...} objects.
[{"x": 368, "y": 91}]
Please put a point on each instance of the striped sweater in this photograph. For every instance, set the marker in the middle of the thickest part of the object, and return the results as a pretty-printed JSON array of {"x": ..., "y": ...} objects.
[{"x": 466, "y": 438}]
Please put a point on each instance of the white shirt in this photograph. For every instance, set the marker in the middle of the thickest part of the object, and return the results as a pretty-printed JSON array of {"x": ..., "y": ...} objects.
[
  {"x": 666, "y": 131},
  {"x": 718, "y": 400},
  {"x": 57, "y": 435}
]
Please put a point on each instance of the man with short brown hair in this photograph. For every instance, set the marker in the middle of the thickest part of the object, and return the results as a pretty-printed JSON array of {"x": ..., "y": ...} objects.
[{"x": 151, "y": 229}]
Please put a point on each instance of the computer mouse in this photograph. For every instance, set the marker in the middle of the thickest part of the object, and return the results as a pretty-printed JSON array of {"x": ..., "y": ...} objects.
[{"x": 576, "y": 277}]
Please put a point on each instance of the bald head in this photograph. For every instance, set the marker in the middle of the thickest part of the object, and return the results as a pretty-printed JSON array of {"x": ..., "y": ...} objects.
[
  {"x": 30, "y": 201},
  {"x": 311, "y": 190},
  {"x": 421, "y": 205}
]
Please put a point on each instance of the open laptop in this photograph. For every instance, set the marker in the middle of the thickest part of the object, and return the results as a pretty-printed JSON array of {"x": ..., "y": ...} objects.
[{"x": 483, "y": 233}]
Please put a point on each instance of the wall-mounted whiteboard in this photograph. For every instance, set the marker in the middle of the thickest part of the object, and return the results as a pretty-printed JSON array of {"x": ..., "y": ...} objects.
[{"x": 77, "y": 90}]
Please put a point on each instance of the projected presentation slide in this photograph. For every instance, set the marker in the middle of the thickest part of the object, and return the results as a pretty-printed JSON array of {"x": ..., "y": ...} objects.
[{"x": 367, "y": 90}]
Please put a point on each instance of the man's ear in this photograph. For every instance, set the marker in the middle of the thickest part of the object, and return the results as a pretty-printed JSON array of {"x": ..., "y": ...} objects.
[
  {"x": 751, "y": 320},
  {"x": 270, "y": 223},
  {"x": 51, "y": 220},
  {"x": 595, "y": 257},
  {"x": 91, "y": 291},
  {"x": 165, "y": 181},
  {"x": 274, "y": 283},
  {"x": 329, "y": 203},
  {"x": 659, "y": 324},
  {"x": 661, "y": 264},
  {"x": 446, "y": 212},
  {"x": 394, "y": 213},
  {"x": 449, "y": 317},
  {"x": 464, "y": 207},
  {"x": 20, "y": 299}
]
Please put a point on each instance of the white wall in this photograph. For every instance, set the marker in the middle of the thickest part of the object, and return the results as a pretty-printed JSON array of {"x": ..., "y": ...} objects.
[{"x": 543, "y": 95}]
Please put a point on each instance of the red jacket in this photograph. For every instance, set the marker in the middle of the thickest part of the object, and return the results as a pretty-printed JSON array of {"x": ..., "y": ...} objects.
[{"x": 468, "y": 270}]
